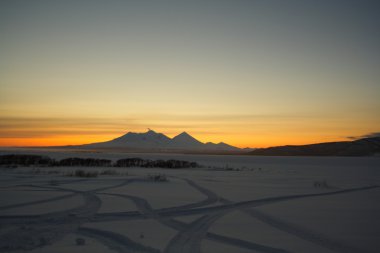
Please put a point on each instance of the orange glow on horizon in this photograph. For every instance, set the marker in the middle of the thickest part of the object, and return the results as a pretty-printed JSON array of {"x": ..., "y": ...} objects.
[
  {"x": 239, "y": 141},
  {"x": 52, "y": 141},
  {"x": 237, "y": 130}
]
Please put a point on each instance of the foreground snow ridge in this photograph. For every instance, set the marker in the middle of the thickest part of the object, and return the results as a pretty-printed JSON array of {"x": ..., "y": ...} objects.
[
  {"x": 35, "y": 231},
  {"x": 276, "y": 209}
]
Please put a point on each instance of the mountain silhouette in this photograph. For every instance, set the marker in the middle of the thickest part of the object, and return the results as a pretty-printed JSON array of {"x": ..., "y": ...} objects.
[
  {"x": 150, "y": 139},
  {"x": 184, "y": 140},
  {"x": 159, "y": 141},
  {"x": 361, "y": 147}
]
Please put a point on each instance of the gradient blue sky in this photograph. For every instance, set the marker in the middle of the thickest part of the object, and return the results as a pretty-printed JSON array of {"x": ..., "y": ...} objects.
[{"x": 251, "y": 73}]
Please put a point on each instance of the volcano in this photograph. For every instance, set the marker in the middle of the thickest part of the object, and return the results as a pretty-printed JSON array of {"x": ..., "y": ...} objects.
[{"x": 158, "y": 141}]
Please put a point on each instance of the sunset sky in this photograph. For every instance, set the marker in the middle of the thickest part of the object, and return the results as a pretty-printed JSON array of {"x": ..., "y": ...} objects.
[{"x": 249, "y": 73}]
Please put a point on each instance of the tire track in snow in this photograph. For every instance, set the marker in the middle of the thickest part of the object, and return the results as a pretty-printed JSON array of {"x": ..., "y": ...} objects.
[
  {"x": 36, "y": 231},
  {"x": 81, "y": 215},
  {"x": 185, "y": 242},
  {"x": 188, "y": 240},
  {"x": 37, "y": 201},
  {"x": 191, "y": 235},
  {"x": 188, "y": 237},
  {"x": 116, "y": 241},
  {"x": 46, "y": 229},
  {"x": 142, "y": 205},
  {"x": 59, "y": 189},
  {"x": 244, "y": 244},
  {"x": 126, "y": 182},
  {"x": 255, "y": 203},
  {"x": 303, "y": 233},
  {"x": 174, "y": 212},
  {"x": 30, "y": 232}
]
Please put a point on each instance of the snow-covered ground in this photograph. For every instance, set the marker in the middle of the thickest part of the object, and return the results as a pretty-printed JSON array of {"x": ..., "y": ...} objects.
[{"x": 270, "y": 204}]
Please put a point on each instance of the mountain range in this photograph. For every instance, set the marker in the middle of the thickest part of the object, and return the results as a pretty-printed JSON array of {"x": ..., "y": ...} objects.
[
  {"x": 361, "y": 147},
  {"x": 152, "y": 141},
  {"x": 157, "y": 141}
]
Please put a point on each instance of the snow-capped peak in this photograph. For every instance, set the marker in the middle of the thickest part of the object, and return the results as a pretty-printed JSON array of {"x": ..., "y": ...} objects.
[{"x": 154, "y": 140}]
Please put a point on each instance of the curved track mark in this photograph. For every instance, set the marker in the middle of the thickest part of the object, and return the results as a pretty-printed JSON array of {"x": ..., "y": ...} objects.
[
  {"x": 142, "y": 205},
  {"x": 244, "y": 244},
  {"x": 303, "y": 233},
  {"x": 116, "y": 242},
  {"x": 41, "y": 230},
  {"x": 37, "y": 201},
  {"x": 189, "y": 239},
  {"x": 215, "y": 209}
]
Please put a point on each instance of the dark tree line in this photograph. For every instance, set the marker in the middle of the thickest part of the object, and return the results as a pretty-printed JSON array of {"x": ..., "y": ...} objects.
[
  {"x": 88, "y": 162},
  {"x": 170, "y": 164},
  {"x": 26, "y": 160},
  {"x": 37, "y": 160}
]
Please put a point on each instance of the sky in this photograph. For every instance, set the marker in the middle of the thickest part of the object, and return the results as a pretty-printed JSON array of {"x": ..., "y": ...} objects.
[{"x": 250, "y": 73}]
